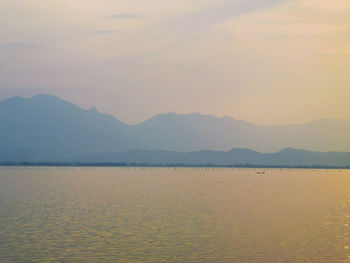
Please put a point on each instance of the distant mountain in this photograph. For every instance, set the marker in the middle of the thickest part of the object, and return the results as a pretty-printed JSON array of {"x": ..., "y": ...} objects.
[
  {"x": 46, "y": 128},
  {"x": 194, "y": 132},
  {"x": 286, "y": 157}
]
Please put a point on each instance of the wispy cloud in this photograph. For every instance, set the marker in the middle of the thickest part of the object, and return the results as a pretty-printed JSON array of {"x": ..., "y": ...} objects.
[
  {"x": 123, "y": 16},
  {"x": 104, "y": 32},
  {"x": 18, "y": 46},
  {"x": 205, "y": 18}
]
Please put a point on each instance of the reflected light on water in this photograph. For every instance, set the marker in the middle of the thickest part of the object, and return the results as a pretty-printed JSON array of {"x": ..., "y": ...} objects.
[{"x": 174, "y": 215}]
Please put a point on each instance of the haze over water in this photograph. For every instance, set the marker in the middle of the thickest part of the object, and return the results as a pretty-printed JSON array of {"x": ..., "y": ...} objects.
[{"x": 174, "y": 215}]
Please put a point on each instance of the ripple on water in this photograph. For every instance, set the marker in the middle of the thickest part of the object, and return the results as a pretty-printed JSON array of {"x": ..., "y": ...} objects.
[{"x": 174, "y": 215}]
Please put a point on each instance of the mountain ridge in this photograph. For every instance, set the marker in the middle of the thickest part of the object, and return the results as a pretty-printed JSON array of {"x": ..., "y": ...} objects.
[
  {"x": 40, "y": 96},
  {"x": 236, "y": 156},
  {"x": 47, "y": 128}
]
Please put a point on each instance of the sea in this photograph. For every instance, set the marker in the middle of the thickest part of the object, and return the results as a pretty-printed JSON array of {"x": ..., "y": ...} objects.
[{"x": 159, "y": 214}]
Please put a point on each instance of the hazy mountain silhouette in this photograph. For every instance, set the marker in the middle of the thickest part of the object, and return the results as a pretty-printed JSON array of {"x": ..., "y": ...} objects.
[
  {"x": 194, "y": 132},
  {"x": 47, "y": 128},
  {"x": 288, "y": 156}
]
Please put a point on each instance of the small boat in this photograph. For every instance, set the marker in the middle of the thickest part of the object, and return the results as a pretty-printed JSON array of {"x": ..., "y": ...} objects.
[{"x": 260, "y": 172}]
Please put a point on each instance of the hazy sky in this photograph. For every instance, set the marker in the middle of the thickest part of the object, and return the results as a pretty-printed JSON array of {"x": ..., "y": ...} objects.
[{"x": 264, "y": 61}]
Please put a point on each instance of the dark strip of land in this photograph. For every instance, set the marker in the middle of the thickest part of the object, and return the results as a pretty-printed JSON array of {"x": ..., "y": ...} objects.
[{"x": 122, "y": 164}]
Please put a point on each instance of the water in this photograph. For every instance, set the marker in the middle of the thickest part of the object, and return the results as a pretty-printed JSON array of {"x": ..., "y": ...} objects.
[{"x": 174, "y": 215}]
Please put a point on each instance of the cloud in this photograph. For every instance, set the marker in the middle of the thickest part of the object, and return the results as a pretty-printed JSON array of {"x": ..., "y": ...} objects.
[
  {"x": 104, "y": 32},
  {"x": 197, "y": 21},
  {"x": 123, "y": 16},
  {"x": 18, "y": 46}
]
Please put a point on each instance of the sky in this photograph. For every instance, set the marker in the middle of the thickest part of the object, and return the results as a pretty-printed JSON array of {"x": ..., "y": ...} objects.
[{"x": 264, "y": 61}]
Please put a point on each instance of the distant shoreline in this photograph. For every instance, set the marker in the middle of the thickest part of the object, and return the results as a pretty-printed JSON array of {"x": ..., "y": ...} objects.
[{"x": 170, "y": 165}]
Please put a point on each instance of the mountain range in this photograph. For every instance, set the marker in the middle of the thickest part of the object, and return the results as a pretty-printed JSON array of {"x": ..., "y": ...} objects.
[
  {"x": 236, "y": 156},
  {"x": 47, "y": 128}
]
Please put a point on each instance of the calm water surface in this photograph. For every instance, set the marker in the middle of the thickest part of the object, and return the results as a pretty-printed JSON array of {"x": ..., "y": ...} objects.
[{"x": 174, "y": 215}]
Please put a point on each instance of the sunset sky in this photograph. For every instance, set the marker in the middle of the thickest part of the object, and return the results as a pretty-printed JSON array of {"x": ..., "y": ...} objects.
[{"x": 264, "y": 61}]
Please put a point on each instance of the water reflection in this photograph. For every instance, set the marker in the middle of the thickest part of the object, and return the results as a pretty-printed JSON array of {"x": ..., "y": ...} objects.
[{"x": 174, "y": 215}]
